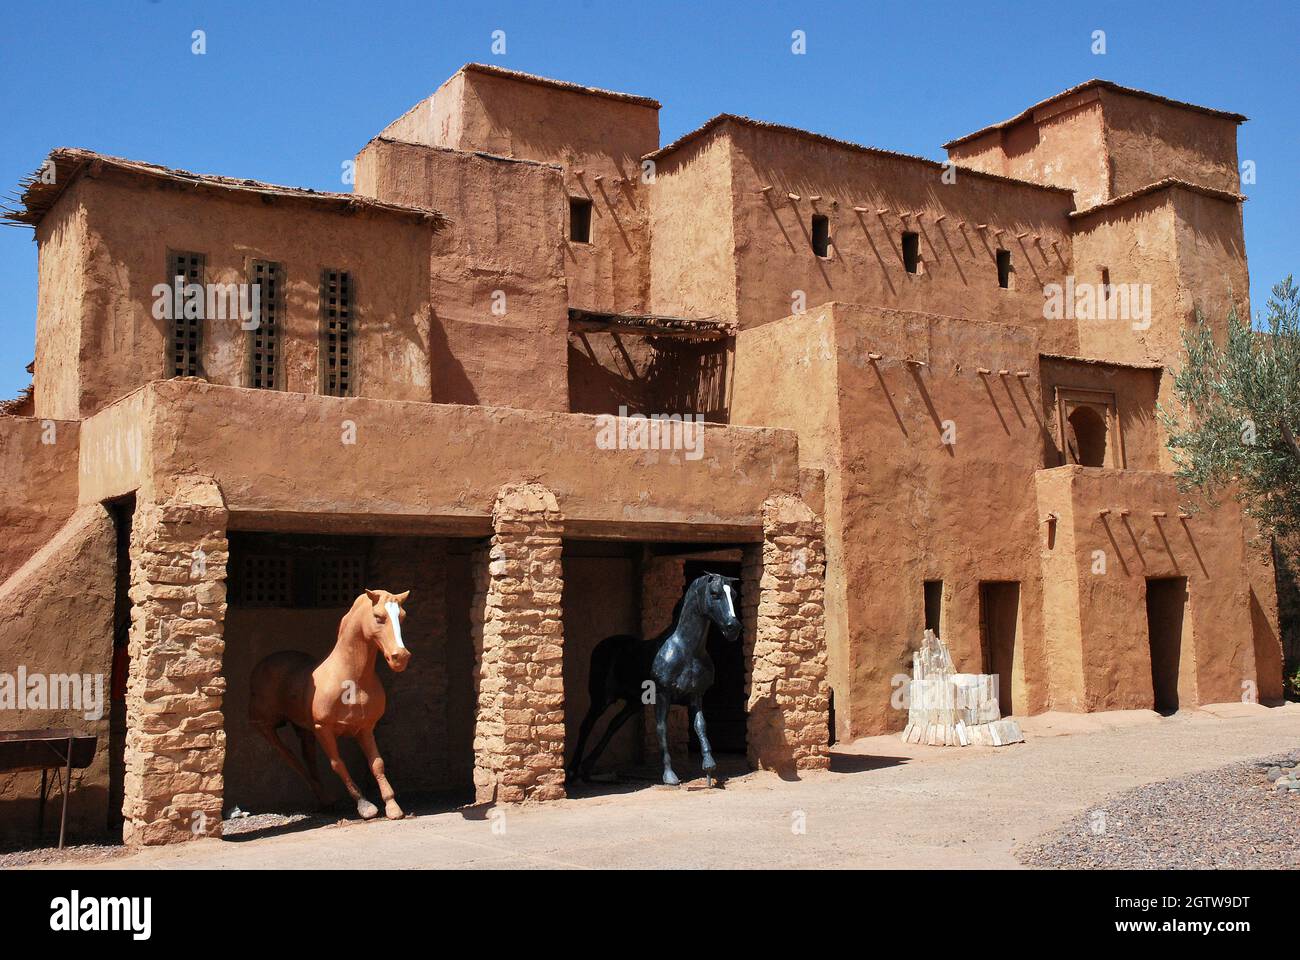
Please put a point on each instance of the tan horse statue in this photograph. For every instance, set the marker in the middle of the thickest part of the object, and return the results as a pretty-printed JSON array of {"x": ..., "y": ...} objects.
[{"x": 342, "y": 696}]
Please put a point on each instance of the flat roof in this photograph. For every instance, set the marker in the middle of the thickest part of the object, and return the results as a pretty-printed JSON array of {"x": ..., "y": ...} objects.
[
  {"x": 1086, "y": 85},
  {"x": 712, "y": 124},
  {"x": 39, "y": 193},
  {"x": 493, "y": 71}
]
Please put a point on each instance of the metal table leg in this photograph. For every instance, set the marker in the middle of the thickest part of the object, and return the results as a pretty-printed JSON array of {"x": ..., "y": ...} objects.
[{"x": 67, "y": 789}]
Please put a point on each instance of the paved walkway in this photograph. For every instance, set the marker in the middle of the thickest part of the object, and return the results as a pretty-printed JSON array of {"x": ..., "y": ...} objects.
[{"x": 884, "y": 804}]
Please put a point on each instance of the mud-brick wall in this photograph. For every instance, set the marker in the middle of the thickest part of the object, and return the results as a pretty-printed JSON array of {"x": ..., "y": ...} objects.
[
  {"x": 38, "y": 474},
  {"x": 56, "y": 617}
]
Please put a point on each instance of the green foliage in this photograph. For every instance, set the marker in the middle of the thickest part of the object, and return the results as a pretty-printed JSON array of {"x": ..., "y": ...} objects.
[{"x": 1238, "y": 412}]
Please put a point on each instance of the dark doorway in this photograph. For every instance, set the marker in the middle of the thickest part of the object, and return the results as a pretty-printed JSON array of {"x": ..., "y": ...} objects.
[
  {"x": 1089, "y": 437},
  {"x": 122, "y": 511},
  {"x": 1166, "y": 610},
  {"x": 933, "y": 605},
  {"x": 999, "y": 634},
  {"x": 724, "y": 704}
]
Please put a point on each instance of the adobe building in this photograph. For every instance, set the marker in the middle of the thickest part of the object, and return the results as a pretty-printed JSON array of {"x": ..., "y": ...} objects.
[{"x": 899, "y": 433}]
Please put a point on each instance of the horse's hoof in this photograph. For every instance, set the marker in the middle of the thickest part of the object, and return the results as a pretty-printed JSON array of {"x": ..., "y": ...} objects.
[
  {"x": 367, "y": 810},
  {"x": 709, "y": 764},
  {"x": 671, "y": 780},
  {"x": 392, "y": 811}
]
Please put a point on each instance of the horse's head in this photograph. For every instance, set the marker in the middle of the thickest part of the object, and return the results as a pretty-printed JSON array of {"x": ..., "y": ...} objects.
[
  {"x": 382, "y": 624},
  {"x": 717, "y": 599}
]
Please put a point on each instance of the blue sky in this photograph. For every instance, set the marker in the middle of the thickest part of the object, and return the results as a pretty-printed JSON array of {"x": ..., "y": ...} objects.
[{"x": 286, "y": 92}]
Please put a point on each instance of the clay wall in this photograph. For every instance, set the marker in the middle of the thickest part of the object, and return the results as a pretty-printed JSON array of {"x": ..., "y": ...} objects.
[
  {"x": 693, "y": 269},
  {"x": 958, "y": 275},
  {"x": 1147, "y": 141},
  {"x": 597, "y": 139},
  {"x": 1141, "y": 537},
  {"x": 438, "y": 462},
  {"x": 497, "y": 273},
  {"x": 123, "y": 345},
  {"x": 1062, "y": 145},
  {"x": 49, "y": 629},
  {"x": 38, "y": 469},
  {"x": 62, "y": 280}
]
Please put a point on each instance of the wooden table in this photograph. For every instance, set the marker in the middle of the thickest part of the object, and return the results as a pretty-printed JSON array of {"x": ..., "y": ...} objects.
[{"x": 59, "y": 750}]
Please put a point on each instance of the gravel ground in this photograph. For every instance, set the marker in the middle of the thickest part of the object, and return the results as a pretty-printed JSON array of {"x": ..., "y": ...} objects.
[
  {"x": 1231, "y": 817},
  {"x": 88, "y": 853}
]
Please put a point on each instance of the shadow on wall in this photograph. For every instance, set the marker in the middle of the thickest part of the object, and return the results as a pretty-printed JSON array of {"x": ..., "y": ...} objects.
[
  {"x": 649, "y": 375},
  {"x": 449, "y": 382}
]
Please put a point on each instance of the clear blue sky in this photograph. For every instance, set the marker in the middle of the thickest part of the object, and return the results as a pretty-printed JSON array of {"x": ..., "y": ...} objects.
[{"x": 286, "y": 92}]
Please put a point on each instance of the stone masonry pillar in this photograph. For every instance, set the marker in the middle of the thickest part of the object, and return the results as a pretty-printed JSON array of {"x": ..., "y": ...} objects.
[
  {"x": 519, "y": 651},
  {"x": 176, "y": 739},
  {"x": 782, "y": 595},
  {"x": 662, "y": 585}
]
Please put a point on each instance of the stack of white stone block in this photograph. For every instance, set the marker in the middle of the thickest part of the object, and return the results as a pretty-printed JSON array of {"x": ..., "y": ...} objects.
[{"x": 953, "y": 709}]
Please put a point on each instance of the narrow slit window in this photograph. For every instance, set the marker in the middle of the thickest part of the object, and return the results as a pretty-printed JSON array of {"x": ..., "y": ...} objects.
[
  {"x": 1105, "y": 284},
  {"x": 1004, "y": 269},
  {"x": 336, "y": 322},
  {"x": 912, "y": 252},
  {"x": 266, "y": 279},
  {"x": 580, "y": 220},
  {"x": 933, "y": 605},
  {"x": 185, "y": 338},
  {"x": 821, "y": 235}
]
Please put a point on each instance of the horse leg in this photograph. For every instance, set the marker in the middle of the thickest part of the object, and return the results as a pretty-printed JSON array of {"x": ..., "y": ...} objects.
[
  {"x": 308, "y": 744},
  {"x": 630, "y": 708},
  {"x": 273, "y": 738},
  {"x": 706, "y": 751},
  {"x": 662, "y": 706},
  {"x": 594, "y": 713},
  {"x": 368, "y": 746},
  {"x": 328, "y": 742}
]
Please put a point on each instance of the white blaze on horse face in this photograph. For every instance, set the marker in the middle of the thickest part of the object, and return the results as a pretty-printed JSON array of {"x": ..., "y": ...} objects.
[
  {"x": 395, "y": 618},
  {"x": 731, "y": 607}
]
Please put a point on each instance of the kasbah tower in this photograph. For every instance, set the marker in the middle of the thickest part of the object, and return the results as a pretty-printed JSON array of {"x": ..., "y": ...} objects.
[{"x": 905, "y": 430}]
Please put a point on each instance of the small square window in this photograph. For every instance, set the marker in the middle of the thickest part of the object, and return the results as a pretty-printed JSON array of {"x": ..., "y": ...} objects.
[
  {"x": 821, "y": 235},
  {"x": 912, "y": 252},
  {"x": 1004, "y": 269},
  {"x": 580, "y": 220}
]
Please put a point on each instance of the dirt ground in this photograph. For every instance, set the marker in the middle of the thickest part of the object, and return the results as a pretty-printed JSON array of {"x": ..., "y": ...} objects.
[{"x": 883, "y": 804}]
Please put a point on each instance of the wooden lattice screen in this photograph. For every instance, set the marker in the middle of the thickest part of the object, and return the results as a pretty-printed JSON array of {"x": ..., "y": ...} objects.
[
  {"x": 336, "y": 367},
  {"x": 264, "y": 339},
  {"x": 185, "y": 338}
]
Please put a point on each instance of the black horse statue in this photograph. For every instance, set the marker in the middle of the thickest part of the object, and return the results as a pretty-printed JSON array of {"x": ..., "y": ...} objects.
[{"x": 673, "y": 667}]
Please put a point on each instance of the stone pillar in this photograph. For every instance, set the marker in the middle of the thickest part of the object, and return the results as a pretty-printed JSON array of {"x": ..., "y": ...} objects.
[
  {"x": 782, "y": 611},
  {"x": 176, "y": 738},
  {"x": 662, "y": 585},
  {"x": 519, "y": 651}
]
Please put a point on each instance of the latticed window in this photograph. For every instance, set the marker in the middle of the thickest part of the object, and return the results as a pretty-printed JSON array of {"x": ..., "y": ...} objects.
[
  {"x": 339, "y": 580},
  {"x": 185, "y": 338},
  {"x": 264, "y": 340},
  {"x": 336, "y": 366},
  {"x": 264, "y": 581}
]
